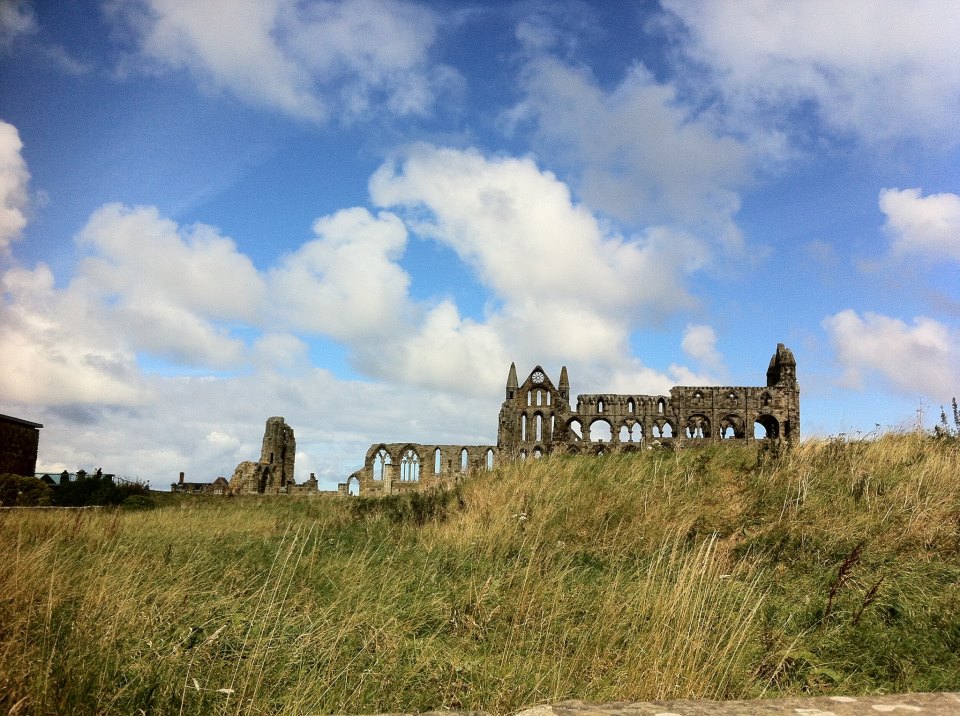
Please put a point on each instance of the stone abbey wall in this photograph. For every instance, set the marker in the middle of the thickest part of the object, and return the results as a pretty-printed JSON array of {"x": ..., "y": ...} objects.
[{"x": 537, "y": 419}]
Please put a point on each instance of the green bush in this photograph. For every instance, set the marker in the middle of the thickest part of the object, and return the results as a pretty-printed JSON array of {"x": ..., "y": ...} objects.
[{"x": 20, "y": 491}]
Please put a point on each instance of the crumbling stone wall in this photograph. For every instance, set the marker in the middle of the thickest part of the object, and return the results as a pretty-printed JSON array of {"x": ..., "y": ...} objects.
[
  {"x": 273, "y": 474},
  {"x": 537, "y": 419},
  {"x": 395, "y": 468}
]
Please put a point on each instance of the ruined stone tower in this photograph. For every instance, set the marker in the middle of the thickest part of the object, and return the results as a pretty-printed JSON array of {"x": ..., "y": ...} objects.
[
  {"x": 274, "y": 473},
  {"x": 279, "y": 450}
]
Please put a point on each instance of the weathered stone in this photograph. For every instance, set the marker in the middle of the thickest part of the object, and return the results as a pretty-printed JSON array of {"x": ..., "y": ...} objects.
[
  {"x": 537, "y": 419},
  {"x": 936, "y": 704},
  {"x": 273, "y": 474},
  {"x": 932, "y": 704}
]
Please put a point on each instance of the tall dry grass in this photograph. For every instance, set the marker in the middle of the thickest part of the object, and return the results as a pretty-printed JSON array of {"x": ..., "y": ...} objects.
[{"x": 705, "y": 573}]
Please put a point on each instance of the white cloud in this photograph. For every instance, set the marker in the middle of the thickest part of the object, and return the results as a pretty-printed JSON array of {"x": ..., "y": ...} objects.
[
  {"x": 564, "y": 286},
  {"x": 519, "y": 229},
  {"x": 700, "y": 343},
  {"x": 920, "y": 358},
  {"x": 880, "y": 69},
  {"x": 58, "y": 349},
  {"x": 346, "y": 282},
  {"x": 168, "y": 287},
  {"x": 639, "y": 153},
  {"x": 13, "y": 187},
  {"x": 927, "y": 225},
  {"x": 305, "y": 59}
]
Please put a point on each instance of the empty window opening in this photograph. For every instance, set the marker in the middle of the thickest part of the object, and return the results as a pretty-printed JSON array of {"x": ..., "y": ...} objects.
[
  {"x": 548, "y": 397},
  {"x": 410, "y": 467},
  {"x": 523, "y": 454},
  {"x": 600, "y": 406},
  {"x": 631, "y": 406},
  {"x": 380, "y": 463},
  {"x": 537, "y": 453},
  {"x": 437, "y": 464},
  {"x": 600, "y": 431},
  {"x": 728, "y": 432},
  {"x": 577, "y": 429},
  {"x": 731, "y": 396},
  {"x": 489, "y": 459},
  {"x": 539, "y": 427},
  {"x": 766, "y": 427},
  {"x": 661, "y": 404},
  {"x": 631, "y": 433},
  {"x": 353, "y": 486},
  {"x": 529, "y": 397},
  {"x": 553, "y": 425},
  {"x": 464, "y": 460},
  {"x": 539, "y": 397},
  {"x": 523, "y": 428},
  {"x": 666, "y": 430}
]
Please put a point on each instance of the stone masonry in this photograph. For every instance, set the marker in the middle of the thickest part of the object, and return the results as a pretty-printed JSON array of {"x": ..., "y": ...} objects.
[
  {"x": 273, "y": 474},
  {"x": 537, "y": 418}
]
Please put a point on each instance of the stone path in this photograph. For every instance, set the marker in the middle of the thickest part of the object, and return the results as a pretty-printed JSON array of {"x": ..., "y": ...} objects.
[{"x": 938, "y": 704}]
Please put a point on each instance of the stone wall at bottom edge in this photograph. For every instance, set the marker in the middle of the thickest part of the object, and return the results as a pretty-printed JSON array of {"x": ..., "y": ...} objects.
[{"x": 932, "y": 704}]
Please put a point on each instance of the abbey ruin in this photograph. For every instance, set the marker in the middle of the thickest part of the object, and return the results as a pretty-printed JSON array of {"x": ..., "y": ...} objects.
[
  {"x": 273, "y": 474},
  {"x": 538, "y": 419}
]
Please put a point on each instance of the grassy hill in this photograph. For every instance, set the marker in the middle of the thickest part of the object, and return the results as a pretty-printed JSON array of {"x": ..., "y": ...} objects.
[{"x": 720, "y": 572}]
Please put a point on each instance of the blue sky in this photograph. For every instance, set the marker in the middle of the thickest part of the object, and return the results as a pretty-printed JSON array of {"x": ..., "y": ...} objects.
[{"x": 356, "y": 214}]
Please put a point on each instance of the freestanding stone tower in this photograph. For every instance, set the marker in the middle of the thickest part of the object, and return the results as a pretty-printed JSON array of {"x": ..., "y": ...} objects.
[{"x": 274, "y": 473}]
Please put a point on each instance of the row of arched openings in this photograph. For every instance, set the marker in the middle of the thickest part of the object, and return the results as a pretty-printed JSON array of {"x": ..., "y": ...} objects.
[
  {"x": 697, "y": 427},
  {"x": 410, "y": 463},
  {"x": 538, "y": 397},
  {"x": 534, "y": 428}
]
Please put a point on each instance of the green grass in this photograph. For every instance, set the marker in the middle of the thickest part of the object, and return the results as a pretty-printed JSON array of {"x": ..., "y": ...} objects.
[{"x": 719, "y": 572}]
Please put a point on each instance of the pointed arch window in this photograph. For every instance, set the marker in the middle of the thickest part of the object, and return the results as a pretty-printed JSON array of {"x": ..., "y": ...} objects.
[
  {"x": 380, "y": 463},
  {"x": 410, "y": 467}
]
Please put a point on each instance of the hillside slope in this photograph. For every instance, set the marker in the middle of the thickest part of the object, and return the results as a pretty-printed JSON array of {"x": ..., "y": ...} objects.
[{"x": 722, "y": 572}]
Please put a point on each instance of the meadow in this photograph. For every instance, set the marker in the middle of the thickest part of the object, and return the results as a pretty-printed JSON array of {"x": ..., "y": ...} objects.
[{"x": 719, "y": 572}]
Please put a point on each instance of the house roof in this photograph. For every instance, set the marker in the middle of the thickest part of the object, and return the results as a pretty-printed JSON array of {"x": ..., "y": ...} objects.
[{"x": 19, "y": 421}]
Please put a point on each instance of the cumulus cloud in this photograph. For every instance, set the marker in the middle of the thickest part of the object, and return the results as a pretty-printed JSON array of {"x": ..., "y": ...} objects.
[
  {"x": 346, "y": 283},
  {"x": 700, "y": 343},
  {"x": 520, "y": 230},
  {"x": 13, "y": 187},
  {"x": 639, "y": 153},
  {"x": 774, "y": 57},
  {"x": 927, "y": 225},
  {"x": 168, "y": 287},
  {"x": 920, "y": 358},
  {"x": 564, "y": 286},
  {"x": 58, "y": 349},
  {"x": 304, "y": 59}
]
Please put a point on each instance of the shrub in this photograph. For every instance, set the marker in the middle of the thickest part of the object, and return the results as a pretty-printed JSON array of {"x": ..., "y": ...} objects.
[{"x": 20, "y": 491}]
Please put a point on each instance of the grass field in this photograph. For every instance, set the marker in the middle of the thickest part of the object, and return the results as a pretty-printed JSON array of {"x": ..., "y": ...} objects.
[{"x": 720, "y": 572}]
